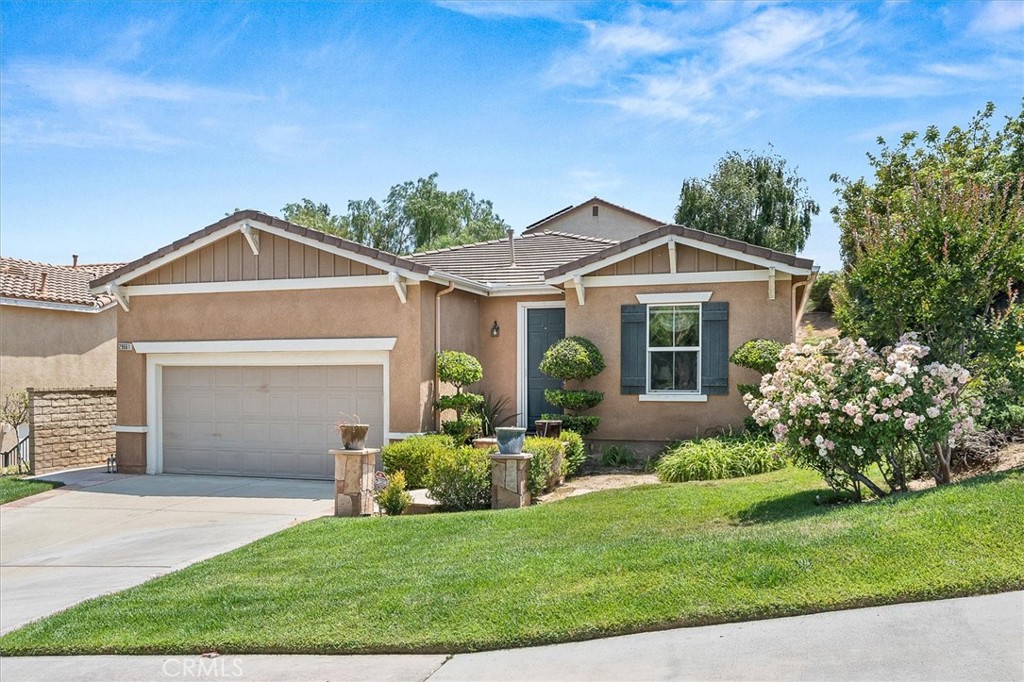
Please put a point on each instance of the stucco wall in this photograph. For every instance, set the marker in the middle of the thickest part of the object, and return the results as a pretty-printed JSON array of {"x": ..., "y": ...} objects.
[
  {"x": 624, "y": 417},
  {"x": 609, "y": 223},
  {"x": 332, "y": 313},
  {"x": 55, "y": 348}
]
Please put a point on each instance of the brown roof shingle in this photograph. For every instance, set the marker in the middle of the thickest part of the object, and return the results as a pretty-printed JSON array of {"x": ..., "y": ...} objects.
[
  {"x": 491, "y": 262},
  {"x": 23, "y": 279}
]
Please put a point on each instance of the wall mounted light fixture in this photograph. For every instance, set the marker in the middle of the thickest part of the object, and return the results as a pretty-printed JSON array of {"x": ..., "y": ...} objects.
[{"x": 495, "y": 329}]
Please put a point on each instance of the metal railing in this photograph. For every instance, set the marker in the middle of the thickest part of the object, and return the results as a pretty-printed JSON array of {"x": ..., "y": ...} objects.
[{"x": 17, "y": 456}]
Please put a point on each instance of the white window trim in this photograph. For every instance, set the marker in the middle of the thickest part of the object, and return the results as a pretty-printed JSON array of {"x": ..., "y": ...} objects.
[
  {"x": 648, "y": 391},
  {"x": 155, "y": 362},
  {"x": 677, "y": 297},
  {"x": 663, "y": 397},
  {"x": 521, "y": 338}
]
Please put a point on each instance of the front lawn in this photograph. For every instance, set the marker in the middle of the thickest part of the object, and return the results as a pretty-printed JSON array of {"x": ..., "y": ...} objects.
[
  {"x": 609, "y": 562},
  {"x": 12, "y": 488}
]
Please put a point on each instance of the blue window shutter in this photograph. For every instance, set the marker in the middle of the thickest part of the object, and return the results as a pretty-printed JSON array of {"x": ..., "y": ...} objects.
[
  {"x": 633, "y": 359},
  {"x": 714, "y": 348}
]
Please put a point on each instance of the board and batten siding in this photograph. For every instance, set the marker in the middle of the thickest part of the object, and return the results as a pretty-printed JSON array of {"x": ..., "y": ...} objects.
[
  {"x": 688, "y": 259},
  {"x": 231, "y": 260}
]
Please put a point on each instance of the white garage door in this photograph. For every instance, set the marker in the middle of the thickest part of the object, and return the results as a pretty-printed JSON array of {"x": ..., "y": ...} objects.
[{"x": 264, "y": 421}]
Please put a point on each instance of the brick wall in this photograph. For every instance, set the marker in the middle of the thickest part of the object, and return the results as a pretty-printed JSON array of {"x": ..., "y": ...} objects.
[{"x": 70, "y": 427}]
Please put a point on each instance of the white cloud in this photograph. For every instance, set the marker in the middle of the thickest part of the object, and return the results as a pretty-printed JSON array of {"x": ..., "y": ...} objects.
[
  {"x": 516, "y": 9},
  {"x": 778, "y": 32},
  {"x": 629, "y": 39},
  {"x": 999, "y": 16}
]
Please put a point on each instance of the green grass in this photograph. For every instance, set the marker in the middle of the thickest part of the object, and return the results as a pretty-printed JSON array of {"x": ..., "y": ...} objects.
[
  {"x": 12, "y": 488},
  {"x": 610, "y": 562}
]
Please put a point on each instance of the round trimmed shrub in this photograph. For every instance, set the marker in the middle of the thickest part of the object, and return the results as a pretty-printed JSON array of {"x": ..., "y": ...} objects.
[
  {"x": 573, "y": 400},
  {"x": 572, "y": 358},
  {"x": 462, "y": 429},
  {"x": 458, "y": 369},
  {"x": 413, "y": 456},
  {"x": 460, "y": 479},
  {"x": 760, "y": 355},
  {"x": 460, "y": 402}
]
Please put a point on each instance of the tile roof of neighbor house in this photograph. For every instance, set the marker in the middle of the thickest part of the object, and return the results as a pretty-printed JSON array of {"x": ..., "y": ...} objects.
[
  {"x": 66, "y": 284},
  {"x": 491, "y": 262},
  {"x": 689, "y": 233},
  {"x": 534, "y": 227},
  {"x": 273, "y": 221}
]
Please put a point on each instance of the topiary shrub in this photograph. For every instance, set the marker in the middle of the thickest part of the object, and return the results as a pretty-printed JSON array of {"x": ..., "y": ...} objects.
[
  {"x": 760, "y": 355},
  {"x": 393, "y": 498},
  {"x": 413, "y": 456},
  {"x": 546, "y": 467},
  {"x": 573, "y": 358},
  {"x": 714, "y": 458},
  {"x": 459, "y": 369},
  {"x": 463, "y": 429},
  {"x": 575, "y": 452},
  {"x": 460, "y": 479}
]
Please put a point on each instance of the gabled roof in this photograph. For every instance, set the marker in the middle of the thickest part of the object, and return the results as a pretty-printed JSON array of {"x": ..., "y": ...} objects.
[
  {"x": 491, "y": 262},
  {"x": 698, "y": 238},
  {"x": 23, "y": 281},
  {"x": 539, "y": 225},
  {"x": 385, "y": 258}
]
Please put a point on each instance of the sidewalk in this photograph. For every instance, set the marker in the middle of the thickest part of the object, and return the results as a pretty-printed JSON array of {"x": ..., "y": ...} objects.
[{"x": 972, "y": 639}]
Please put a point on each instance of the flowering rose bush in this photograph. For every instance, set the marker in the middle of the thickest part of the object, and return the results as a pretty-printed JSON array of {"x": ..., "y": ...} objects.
[{"x": 842, "y": 407}]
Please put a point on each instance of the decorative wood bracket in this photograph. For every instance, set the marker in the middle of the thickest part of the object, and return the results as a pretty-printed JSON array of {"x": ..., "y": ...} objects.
[
  {"x": 581, "y": 294},
  {"x": 119, "y": 294},
  {"x": 771, "y": 284},
  {"x": 672, "y": 257},
  {"x": 252, "y": 236},
  {"x": 399, "y": 285}
]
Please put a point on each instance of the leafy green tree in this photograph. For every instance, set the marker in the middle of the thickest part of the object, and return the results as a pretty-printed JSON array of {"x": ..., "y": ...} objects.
[
  {"x": 753, "y": 198},
  {"x": 415, "y": 216},
  {"x": 936, "y": 240}
]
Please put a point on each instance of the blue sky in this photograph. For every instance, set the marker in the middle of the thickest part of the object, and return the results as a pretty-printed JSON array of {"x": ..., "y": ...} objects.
[{"x": 124, "y": 126}]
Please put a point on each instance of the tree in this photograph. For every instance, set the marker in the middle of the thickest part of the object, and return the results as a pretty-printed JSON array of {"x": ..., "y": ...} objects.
[
  {"x": 753, "y": 199},
  {"x": 936, "y": 240},
  {"x": 415, "y": 216}
]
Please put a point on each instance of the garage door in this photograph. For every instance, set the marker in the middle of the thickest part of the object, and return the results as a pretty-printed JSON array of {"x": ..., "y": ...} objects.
[{"x": 264, "y": 421}]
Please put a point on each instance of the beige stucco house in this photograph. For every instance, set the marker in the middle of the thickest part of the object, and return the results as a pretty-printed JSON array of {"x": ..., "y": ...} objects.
[
  {"x": 54, "y": 332},
  {"x": 250, "y": 336}
]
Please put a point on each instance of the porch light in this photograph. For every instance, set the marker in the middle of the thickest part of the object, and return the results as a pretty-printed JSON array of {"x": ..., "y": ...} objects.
[{"x": 495, "y": 329}]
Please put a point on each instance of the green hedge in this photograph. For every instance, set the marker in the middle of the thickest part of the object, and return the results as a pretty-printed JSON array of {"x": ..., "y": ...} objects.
[
  {"x": 413, "y": 456},
  {"x": 545, "y": 451},
  {"x": 460, "y": 479},
  {"x": 575, "y": 452},
  {"x": 714, "y": 458}
]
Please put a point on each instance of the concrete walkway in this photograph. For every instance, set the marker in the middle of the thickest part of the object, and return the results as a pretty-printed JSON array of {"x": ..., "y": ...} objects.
[
  {"x": 975, "y": 639},
  {"x": 102, "y": 532}
]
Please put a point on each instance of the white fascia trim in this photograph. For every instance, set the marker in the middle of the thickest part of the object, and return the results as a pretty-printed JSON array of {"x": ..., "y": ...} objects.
[
  {"x": 384, "y": 343},
  {"x": 719, "y": 277},
  {"x": 681, "y": 297},
  {"x": 236, "y": 227},
  {"x": 51, "y": 305},
  {"x": 240, "y": 286},
  {"x": 118, "y": 428},
  {"x": 673, "y": 398},
  {"x": 532, "y": 290},
  {"x": 461, "y": 283},
  {"x": 673, "y": 239}
]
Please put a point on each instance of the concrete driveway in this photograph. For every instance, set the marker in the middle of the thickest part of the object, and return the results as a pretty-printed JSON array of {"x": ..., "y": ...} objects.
[{"x": 102, "y": 532}]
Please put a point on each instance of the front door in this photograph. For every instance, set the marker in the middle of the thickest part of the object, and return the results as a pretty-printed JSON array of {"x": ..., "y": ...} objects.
[{"x": 544, "y": 326}]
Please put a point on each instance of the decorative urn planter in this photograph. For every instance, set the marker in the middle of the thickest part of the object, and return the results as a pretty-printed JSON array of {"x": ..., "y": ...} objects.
[
  {"x": 510, "y": 439},
  {"x": 548, "y": 428},
  {"x": 353, "y": 436}
]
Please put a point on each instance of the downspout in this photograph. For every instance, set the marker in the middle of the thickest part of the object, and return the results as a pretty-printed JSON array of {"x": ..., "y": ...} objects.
[
  {"x": 798, "y": 311},
  {"x": 437, "y": 345}
]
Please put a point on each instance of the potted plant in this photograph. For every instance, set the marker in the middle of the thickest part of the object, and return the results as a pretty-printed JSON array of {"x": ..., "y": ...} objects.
[
  {"x": 353, "y": 433},
  {"x": 510, "y": 439}
]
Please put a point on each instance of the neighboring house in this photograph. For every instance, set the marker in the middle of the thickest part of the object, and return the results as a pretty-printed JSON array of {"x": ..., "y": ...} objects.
[
  {"x": 250, "y": 336},
  {"x": 596, "y": 218},
  {"x": 54, "y": 332}
]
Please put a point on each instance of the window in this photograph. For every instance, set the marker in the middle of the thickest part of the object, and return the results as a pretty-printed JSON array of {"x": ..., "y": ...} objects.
[{"x": 673, "y": 348}]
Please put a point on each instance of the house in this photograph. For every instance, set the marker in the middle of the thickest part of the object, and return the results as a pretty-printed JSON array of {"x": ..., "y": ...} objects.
[
  {"x": 54, "y": 332},
  {"x": 241, "y": 343},
  {"x": 596, "y": 218}
]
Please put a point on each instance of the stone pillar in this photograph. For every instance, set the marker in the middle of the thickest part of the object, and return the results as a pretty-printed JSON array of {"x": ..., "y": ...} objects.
[
  {"x": 353, "y": 481},
  {"x": 509, "y": 480}
]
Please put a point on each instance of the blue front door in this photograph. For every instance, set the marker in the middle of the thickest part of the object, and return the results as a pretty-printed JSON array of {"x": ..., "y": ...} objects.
[{"x": 544, "y": 326}]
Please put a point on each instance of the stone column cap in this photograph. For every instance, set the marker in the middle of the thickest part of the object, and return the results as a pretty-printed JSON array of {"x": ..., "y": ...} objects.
[
  {"x": 364, "y": 451},
  {"x": 522, "y": 455}
]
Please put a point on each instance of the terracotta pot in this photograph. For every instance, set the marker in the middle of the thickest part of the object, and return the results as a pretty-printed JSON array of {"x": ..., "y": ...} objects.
[{"x": 353, "y": 436}]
